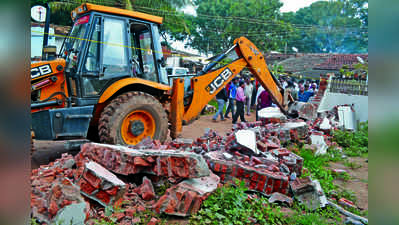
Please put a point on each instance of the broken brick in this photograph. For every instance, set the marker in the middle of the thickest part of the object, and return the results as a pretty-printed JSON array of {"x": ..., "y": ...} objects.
[
  {"x": 170, "y": 163},
  {"x": 193, "y": 191},
  {"x": 108, "y": 190},
  {"x": 146, "y": 189}
]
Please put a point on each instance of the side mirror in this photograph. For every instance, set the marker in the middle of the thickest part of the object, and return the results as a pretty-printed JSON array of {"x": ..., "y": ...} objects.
[{"x": 162, "y": 61}]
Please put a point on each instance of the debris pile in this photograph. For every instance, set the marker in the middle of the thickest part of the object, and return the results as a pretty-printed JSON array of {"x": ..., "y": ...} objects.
[{"x": 176, "y": 177}]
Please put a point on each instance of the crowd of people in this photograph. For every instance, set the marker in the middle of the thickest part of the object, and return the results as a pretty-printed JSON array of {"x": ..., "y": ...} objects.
[{"x": 245, "y": 93}]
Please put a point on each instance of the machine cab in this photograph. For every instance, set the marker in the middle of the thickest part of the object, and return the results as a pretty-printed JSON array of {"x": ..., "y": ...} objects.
[{"x": 107, "y": 44}]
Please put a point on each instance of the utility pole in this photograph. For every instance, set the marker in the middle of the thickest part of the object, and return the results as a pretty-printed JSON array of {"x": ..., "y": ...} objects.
[{"x": 46, "y": 28}]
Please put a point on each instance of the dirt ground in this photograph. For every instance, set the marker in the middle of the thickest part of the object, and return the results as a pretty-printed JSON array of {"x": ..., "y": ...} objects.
[
  {"x": 197, "y": 128},
  {"x": 358, "y": 182}
]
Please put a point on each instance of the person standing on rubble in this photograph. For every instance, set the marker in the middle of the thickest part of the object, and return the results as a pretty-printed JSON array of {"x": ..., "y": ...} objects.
[
  {"x": 221, "y": 98},
  {"x": 232, "y": 96},
  {"x": 240, "y": 101},
  {"x": 248, "y": 95}
]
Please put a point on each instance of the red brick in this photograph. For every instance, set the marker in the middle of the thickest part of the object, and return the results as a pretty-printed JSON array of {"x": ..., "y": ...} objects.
[
  {"x": 180, "y": 167},
  {"x": 103, "y": 197},
  {"x": 138, "y": 161},
  {"x": 85, "y": 186},
  {"x": 53, "y": 208},
  {"x": 112, "y": 191},
  {"x": 261, "y": 183},
  {"x": 217, "y": 167},
  {"x": 153, "y": 221},
  {"x": 92, "y": 179},
  {"x": 276, "y": 186},
  {"x": 130, "y": 211}
]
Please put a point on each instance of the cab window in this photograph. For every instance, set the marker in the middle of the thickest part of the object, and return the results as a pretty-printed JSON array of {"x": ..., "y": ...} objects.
[
  {"x": 143, "y": 62},
  {"x": 114, "y": 48}
]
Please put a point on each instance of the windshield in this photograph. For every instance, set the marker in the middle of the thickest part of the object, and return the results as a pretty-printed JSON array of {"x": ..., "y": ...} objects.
[{"x": 74, "y": 41}]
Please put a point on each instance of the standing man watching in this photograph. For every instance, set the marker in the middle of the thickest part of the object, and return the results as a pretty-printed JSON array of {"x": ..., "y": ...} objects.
[
  {"x": 232, "y": 97},
  {"x": 264, "y": 100},
  {"x": 304, "y": 94},
  {"x": 221, "y": 98},
  {"x": 240, "y": 101},
  {"x": 248, "y": 94}
]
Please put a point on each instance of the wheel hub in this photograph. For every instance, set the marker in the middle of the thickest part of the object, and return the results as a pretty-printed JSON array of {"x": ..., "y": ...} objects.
[{"x": 136, "y": 127}]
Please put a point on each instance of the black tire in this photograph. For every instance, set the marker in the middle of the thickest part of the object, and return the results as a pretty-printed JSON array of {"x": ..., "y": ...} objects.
[{"x": 117, "y": 110}]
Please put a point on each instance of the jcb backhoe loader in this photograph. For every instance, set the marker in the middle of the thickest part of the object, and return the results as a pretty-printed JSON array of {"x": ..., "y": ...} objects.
[{"x": 107, "y": 83}]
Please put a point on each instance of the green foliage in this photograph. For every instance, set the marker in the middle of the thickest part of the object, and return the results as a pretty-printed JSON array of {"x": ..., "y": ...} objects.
[
  {"x": 352, "y": 165},
  {"x": 353, "y": 143},
  {"x": 330, "y": 26},
  {"x": 316, "y": 166},
  {"x": 161, "y": 189},
  {"x": 218, "y": 23},
  {"x": 230, "y": 205},
  {"x": 173, "y": 22},
  {"x": 33, "y": 221}
]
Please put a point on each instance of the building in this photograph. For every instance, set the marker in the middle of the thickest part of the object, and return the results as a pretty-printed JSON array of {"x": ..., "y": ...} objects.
[
  {"x": 313, "y": 65},
  {"x": 56, "y": 36}
]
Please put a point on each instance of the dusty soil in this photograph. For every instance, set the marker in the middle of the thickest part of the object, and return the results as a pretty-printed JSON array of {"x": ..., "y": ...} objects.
[
  {"x": 358, "y": 182},
  {"x": 197, "y": 128}
]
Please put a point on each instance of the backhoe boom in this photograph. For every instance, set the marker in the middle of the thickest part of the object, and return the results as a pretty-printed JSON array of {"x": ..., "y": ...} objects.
[{"x": 206, "y": 86}]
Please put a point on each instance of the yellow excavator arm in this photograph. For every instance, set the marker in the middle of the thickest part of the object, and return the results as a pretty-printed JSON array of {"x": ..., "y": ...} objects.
[{"x": 207, "y": 85}]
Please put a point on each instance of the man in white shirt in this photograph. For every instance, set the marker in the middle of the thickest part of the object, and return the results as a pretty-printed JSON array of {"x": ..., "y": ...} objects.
[{"x": 248, "y": 94}]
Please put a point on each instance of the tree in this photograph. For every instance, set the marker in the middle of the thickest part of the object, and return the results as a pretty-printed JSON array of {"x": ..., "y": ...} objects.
[
  {"x": 174, "y": 23},
  {"x": 331, "y": 26},
  {"x": 218, "y": 23}
]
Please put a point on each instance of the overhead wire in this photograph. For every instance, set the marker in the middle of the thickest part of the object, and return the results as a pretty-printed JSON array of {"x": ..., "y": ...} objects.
[{"x": 213, "y": 17}]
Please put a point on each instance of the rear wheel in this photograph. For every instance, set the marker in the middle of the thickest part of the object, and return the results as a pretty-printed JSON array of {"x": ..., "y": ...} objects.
[{"x": 131, "y": 117}]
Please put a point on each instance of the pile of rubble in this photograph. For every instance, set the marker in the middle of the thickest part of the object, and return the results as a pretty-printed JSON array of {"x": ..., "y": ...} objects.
[{"x": 176, "y": 177}]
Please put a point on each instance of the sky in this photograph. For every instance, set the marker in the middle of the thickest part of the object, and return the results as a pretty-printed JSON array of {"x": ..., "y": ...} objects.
[
  {"x": 294, "y": 5},
  {"x": 288, "y": 6}
]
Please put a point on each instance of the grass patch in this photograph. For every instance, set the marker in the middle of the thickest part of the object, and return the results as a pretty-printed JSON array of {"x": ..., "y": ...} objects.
[
  {"x": 316, "y": 169},
  {"x": 353, "y": 143},
  {"x": 231, "y": 205},
  {"x": 352, "y": 165}
]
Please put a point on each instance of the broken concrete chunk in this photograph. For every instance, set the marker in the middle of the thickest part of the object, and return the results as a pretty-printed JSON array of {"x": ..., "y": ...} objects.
[
  {"x": 280, "y": 198},
  {"x": 302, "y": 185},
  {"x": 309, "y": 193},
  {"x": 350, "y": 220},
  {"x": 320, "y": 192},
  {"x": 72, "y": 214},
  {"x": 125, "y": 161},
  {"x": 304, "y": 109},
  {"x": 62, "y": 193},
  {"x": 346, "y": 203},
  {"x": 271, "y": 114},
  {"x": 227, "y": 156},
  {"x": 186, "y": 197},
  {"x": 146, "y": 189},
  {"x": 101, "y": 185},
  {"x": 318, "y": 141},
  {"x": 325, "y": 124},
  {"x": 247, "y": 139}
]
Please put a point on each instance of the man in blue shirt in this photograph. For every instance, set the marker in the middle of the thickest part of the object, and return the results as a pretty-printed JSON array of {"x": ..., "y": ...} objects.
[
  {"x": 232, "y": 97},
  {"x": 303, "y": 96}
]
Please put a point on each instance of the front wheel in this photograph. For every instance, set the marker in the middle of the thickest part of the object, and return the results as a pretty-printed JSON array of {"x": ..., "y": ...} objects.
[{"x": 131, "y": 117}]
